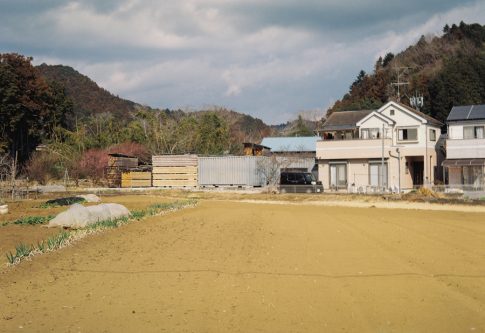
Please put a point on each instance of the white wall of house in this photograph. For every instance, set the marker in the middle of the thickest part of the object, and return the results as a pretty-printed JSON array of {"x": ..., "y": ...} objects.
[
  {"x": 455, "y": 129},
  {"x": 457, "y": 147},
  {"x": 353, "y": 152}
]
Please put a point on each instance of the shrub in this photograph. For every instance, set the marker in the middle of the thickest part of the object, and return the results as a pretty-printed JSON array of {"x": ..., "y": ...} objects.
[
  {"x": 44, "y": 166},
  {"x": 92, "y": 164}
]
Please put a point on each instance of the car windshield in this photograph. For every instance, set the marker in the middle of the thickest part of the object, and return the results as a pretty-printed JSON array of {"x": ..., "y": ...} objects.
[{"x": 309, "y": 178}]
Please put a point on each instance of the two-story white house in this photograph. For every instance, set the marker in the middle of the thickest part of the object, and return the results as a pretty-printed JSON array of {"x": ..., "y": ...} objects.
[
  {"x": 465, "y": 147},
  {"x": 393, "y": 148}
]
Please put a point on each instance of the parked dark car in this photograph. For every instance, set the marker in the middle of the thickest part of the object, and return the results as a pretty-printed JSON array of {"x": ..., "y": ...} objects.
[{"x": 299, "y": 182}]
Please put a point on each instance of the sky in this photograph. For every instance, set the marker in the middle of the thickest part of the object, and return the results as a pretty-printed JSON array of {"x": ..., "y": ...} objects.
[{"x": 272, "y": 59}]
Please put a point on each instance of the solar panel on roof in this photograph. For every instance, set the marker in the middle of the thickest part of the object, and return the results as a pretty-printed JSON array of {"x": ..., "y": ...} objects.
[
  {"x": 459, "y": 113},
  {"x": 478, "y": 112}
]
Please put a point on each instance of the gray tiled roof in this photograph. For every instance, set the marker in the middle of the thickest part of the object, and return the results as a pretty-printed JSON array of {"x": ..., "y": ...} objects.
[{"x": 342, "y": 120}]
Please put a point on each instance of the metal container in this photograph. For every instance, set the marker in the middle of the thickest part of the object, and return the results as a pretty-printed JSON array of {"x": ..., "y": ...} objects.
[{"x": 232, "y": 171}]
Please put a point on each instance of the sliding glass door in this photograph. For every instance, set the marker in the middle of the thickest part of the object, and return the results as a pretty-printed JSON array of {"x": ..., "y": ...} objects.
[
  {"x": 338, "y": 175},
  {"x": 377, "y": 175}
]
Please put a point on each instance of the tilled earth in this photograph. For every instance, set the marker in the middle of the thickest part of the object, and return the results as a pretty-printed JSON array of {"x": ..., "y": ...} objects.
[{"x": 243, "y": 267}]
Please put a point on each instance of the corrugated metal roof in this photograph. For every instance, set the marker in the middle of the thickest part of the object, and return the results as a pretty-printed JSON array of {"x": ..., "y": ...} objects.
[
  {"x": 467, "y": 112},
  {"x": 292, "y": 144}
]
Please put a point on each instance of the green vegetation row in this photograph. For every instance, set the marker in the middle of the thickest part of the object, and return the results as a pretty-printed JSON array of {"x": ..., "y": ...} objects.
[
  {"x": 30, "y": 220},
  {"x": 65, "y": 238}
]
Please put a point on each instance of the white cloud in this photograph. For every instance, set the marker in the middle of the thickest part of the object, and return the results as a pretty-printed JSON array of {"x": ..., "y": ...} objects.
[{"x": 270, "y": 58}]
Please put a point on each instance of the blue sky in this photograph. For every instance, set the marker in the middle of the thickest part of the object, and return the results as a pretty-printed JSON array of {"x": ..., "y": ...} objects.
[{"x": 272, "y": 59}]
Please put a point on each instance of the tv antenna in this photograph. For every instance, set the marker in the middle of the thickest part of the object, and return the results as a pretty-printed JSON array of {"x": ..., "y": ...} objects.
[
  {"x": 401, "y": 71},
  {"x": 417, "y": 101}
]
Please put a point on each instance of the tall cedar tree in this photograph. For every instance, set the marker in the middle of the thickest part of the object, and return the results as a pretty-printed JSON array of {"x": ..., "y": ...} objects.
[{"x": 30, "y": 108}]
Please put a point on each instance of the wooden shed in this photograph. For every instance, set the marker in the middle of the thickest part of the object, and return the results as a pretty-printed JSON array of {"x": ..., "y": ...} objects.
[
  {"x": 175, "y": 170},
  {"x": 117, "y": 163}
]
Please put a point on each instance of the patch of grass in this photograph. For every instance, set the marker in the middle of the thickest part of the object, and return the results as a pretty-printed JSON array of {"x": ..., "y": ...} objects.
[
  {"x": 33, "y": 220},
  {"x": 21, "y": 251},
  {"x": 56, "y": 241},
  {"x": 109, "y": 224},
  {"x": 138, "y": 214}
]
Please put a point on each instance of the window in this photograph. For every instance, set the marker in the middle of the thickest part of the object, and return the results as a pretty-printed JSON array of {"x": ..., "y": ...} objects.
[
  {"x": 338, "y": 175},
  {"x": 370, "y": 133},
  {"x": 377, "y": 177},
  {"x": 473, "y": 132},
  {"x": 432, "y": 135},
  {"x": 408, "y": 134},
  {"x": 392, "y": 112}
]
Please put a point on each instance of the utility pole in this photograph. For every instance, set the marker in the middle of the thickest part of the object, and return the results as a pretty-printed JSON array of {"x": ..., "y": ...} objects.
[
  {"x": 400, "y": 71},
  {"x": 382, "y": 160}
]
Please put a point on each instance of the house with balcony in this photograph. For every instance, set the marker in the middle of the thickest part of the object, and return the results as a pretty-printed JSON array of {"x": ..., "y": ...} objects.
[
  {"x": 393, "y": 148},
  {"x": 465, "y": 148}
]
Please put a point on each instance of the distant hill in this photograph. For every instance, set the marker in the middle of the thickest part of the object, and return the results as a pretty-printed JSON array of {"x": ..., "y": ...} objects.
[
  {"x": 447, "y": 70},
  {"x": 296, "y": 127},
  {"x": 88, "y": 98}
]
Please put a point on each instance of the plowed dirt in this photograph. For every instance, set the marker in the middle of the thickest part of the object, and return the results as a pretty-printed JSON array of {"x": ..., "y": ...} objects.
[{"x": 245, "y": 267}]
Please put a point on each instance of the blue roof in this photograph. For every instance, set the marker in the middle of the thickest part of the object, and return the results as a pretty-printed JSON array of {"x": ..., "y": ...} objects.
[{"x": 292, "y": 144}]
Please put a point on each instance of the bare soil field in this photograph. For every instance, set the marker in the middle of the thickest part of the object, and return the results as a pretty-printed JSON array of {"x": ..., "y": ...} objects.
[{"x": 229, "y": 266}]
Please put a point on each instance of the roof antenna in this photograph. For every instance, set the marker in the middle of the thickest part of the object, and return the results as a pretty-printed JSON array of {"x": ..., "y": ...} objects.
[
  {"x": 417, "y": 101},
  {"x": 400, "y": 71}
]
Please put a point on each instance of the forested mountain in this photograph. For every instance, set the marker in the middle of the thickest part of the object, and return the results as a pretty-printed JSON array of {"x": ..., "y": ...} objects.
[
  {"x": 87, "y": 97},
  {"x": 447, "y": 70}
]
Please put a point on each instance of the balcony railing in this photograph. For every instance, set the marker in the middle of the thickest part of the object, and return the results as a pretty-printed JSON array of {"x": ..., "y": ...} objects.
[{"x": 355, "y": 148}]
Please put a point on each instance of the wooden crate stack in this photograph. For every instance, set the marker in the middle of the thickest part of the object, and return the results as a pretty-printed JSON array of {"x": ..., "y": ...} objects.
[
  {"x": 175, "y": 170},
  {"x": 135, "y": 178}
]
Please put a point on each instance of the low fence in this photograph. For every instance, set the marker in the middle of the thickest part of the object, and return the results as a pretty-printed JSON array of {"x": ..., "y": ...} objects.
[{"x": 136, "y": 179}]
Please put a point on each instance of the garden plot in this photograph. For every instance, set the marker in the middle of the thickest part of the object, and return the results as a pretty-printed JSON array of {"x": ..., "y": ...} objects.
[{"x": 25, "y": 223}]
